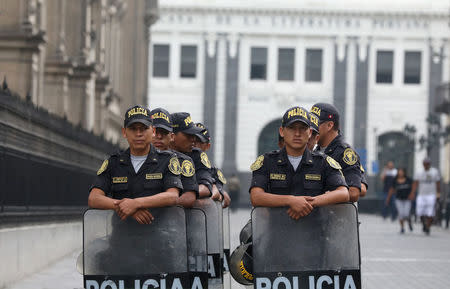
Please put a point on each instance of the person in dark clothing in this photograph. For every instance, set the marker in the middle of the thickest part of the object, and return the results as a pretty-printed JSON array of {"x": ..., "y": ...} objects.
[
  {"x": 388, "y": 177},
  {"x": 402, "y": 188}
]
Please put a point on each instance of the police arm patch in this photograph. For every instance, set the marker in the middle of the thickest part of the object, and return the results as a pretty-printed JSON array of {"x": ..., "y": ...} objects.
[
  {"x": 334, "y": 164},
  {"x": 174, "y": 166},
  {"x": 205, "y": 160},
  {"x": 349, "y": 157},
  {"x": 187, "y": 168},
  {"x": 361, "y": 168},
  {"x": 258, "y": 163},
  {"x": 221, "y": 177},
  {"x": 103, "y": 167}
]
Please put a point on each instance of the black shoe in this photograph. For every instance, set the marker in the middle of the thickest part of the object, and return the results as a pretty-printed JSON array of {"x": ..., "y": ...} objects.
[
  {"x": 410, "y": 226},
  {"x": 402, "y": 231},
  {"x": 427, "y": 231}
]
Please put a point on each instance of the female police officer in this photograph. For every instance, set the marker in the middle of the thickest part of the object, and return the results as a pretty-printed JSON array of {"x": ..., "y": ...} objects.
[
  {"x": 294, "y": 176},
  {"x": 140, "y": 177}
]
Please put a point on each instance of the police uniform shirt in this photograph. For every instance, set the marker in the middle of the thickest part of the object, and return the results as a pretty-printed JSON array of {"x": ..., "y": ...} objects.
[
  {"x": 315, "y": 175},
  {"x": 219, "y": 178},
  {"x": 118, "y": 180},
  {"x": 202, "y": 168},
  {"x": 348, "y": 159},
  {"x": 188, "y": 175}
]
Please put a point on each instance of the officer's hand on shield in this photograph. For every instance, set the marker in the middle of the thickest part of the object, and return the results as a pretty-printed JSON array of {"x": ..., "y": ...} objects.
[
  {"x": 216, "y": 195},
  {"x": 143, "y": 216},
  {"x": 126, "y": 207},
  {"x": 299, "y": 206},
  {"x": 226, "y": 199}
]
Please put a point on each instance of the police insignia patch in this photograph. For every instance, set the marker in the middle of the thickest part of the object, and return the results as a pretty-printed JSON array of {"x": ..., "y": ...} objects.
[
  {"x": 103, "y": 167},
  {"x": 205, "y": 160},
  {"x": 349, "y": 157},
  {"x": 187, "y": 169},
  {"x": 334, "y": 164},
  {"x": 361, "y": 168},
  {"x": 174, "y": 166},
  {"x": 221, "y": 177},
  {"x": 257, "y": 164}
]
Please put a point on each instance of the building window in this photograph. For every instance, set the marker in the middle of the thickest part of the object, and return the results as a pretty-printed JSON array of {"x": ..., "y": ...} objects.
[
  {"x": 313, "y": 65},
  {"x": 161, "y": 60},
  {"x": 188, "y": 61},
  {"x": 385, "y": 63},
  {"x": 413, "y": 60},
  {"x": 286, "y": 62},
  {"x": 258, "y": 68}
]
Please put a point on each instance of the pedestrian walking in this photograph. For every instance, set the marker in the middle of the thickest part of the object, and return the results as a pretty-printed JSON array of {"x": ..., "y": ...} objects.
[{"x": 388, "y": 177}]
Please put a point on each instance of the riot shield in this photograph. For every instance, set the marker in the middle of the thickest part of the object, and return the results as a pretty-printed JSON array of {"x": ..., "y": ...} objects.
[
  {"x": 320, "y": 250},
  {"x": 213, "y": 212},
  {"x": 126, "y": 254},
  {"x": 197, "y": 249},
  {"x": 226, "y": 248}
]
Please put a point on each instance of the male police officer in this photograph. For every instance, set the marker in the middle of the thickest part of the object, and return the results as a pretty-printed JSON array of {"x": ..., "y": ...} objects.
[
  {"x": 294, "y": 176},
  {"x": 139, "y": 178},
  {"x": 184, "y": 140},
  {"x": 332, "y": 144},
  {"x": 203, "y": 142},
  {"x": 163, "y": 140}
]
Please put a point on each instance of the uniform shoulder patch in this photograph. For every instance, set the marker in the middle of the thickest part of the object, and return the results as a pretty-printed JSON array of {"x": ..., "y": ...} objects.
[
  {"x": 174, "y": 166},
  {"x": 361, "y": 168},
  {"x": 205, "y": 160},
  {"x": 103, "y": 167},
  {"x": 221, "y": 177},
  {"x": 187, "y": 168},
  {"x": 258, "y": 163},
  {"x": 334, "y": 164},
  {"x": 349, "y": 157}
]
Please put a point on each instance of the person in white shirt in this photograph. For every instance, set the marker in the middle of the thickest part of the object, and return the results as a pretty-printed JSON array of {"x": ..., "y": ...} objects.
[{"x": 427, "y": 184}]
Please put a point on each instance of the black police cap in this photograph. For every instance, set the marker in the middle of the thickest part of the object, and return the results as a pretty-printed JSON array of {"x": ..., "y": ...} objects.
[
  {"x": 182, "y": 122},
  {"x": 204, "y": 134},
  {"x": 314, "y": 120},
  {"x": 325, "y": 112},
  {"x": 161, "y": 118},
  {"x": 137, "y": 114},
  {"x": 295, "y": 114}
]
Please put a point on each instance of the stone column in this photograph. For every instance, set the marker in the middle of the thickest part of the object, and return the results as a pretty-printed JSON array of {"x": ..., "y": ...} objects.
[{"x": 340, "y": 78}]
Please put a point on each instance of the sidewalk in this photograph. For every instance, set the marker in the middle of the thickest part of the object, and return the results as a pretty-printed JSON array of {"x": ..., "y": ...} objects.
[{"x": 389, "y": 260}]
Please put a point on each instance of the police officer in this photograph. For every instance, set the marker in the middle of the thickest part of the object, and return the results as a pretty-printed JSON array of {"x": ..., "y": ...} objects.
[
  {"x": 294, "y": 176},
  {"x": 138, "y": 178},
  {"x": 163, "y": 140},
  {"x": 332, "y": 143},
  {"x": 184, "y": 140},
  {"x": 312, "y": 142},
  {"x": 203, "y": 142}
]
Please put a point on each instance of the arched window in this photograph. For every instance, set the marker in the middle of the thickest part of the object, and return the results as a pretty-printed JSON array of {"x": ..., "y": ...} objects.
[
  {"x": 268, "y": 138},
  {"x": 396, "y": 147}
]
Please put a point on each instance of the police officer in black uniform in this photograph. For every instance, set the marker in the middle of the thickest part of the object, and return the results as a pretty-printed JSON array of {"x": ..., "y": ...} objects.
[
  {"x": 203, "y": 142},
  {"x": 138, "y": 178},
  {"x": 163, "y": 139},
  {"x": 184, "y": 140},
  {"x": 294, "y": 176},
  {"x": 332, "y": 144},
  {"x": 314, "y": 121}
]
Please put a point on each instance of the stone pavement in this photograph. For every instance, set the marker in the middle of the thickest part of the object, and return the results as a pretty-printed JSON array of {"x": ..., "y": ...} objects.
[{"x": 389, "y": 260}]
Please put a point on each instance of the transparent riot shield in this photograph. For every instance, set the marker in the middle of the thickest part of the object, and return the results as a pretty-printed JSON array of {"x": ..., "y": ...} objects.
[
  {"x": 320, "y": 250},
  {"x": 226, "y": 248},
  {"x": 126, "y": 254},
  {"x": 213, "y": 212},
  {"x": 197, "y": 249}
]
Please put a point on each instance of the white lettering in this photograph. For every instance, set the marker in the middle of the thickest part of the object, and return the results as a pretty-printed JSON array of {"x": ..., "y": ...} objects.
[
  {"x": 311, "y": 282},
  {"x": 336, "y": 282},
  {"x": 263, "y": 283},
  {"x": 91, "y": 284},
  {"x": 197, "y": 284},
  {"x": 163, "y": 284},
  {"x": 150, "y": 282},
  {"x": 349, "y": 283},
  {"x": 177, "y": 284},
  {"x": 295, "y": 282},
  {"x": 283, "y": 280},
  {"x": 323, "y": 279},
  {"x": 137, "y": 284},
  {"x": 211, "y": 269},
  {"x": 121, "y": 284},
  {"x": 109, "y": 284}
]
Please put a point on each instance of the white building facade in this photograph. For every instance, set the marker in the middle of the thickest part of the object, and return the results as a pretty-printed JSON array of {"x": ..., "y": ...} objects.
[{"x": 237, "y": 66}]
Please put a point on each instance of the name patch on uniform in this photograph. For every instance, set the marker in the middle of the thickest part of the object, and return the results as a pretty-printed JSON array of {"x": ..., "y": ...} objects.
[
  {"x": 119, "y": 180},
  {"x": 313, "y": 177},
  {"x": 278, "y": 177},
  {"x": 155, "y": 176}
]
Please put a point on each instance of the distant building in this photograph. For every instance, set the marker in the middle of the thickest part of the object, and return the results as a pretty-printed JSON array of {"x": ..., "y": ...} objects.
[{"x": 238, "y": 65}]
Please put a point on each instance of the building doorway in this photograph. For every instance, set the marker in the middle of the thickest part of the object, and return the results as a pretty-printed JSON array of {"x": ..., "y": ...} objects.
[{"x": 268, "y": 138}]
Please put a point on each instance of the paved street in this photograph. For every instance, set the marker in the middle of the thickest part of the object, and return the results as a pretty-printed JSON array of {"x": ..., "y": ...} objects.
[{"x": 389, "y": 260}]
